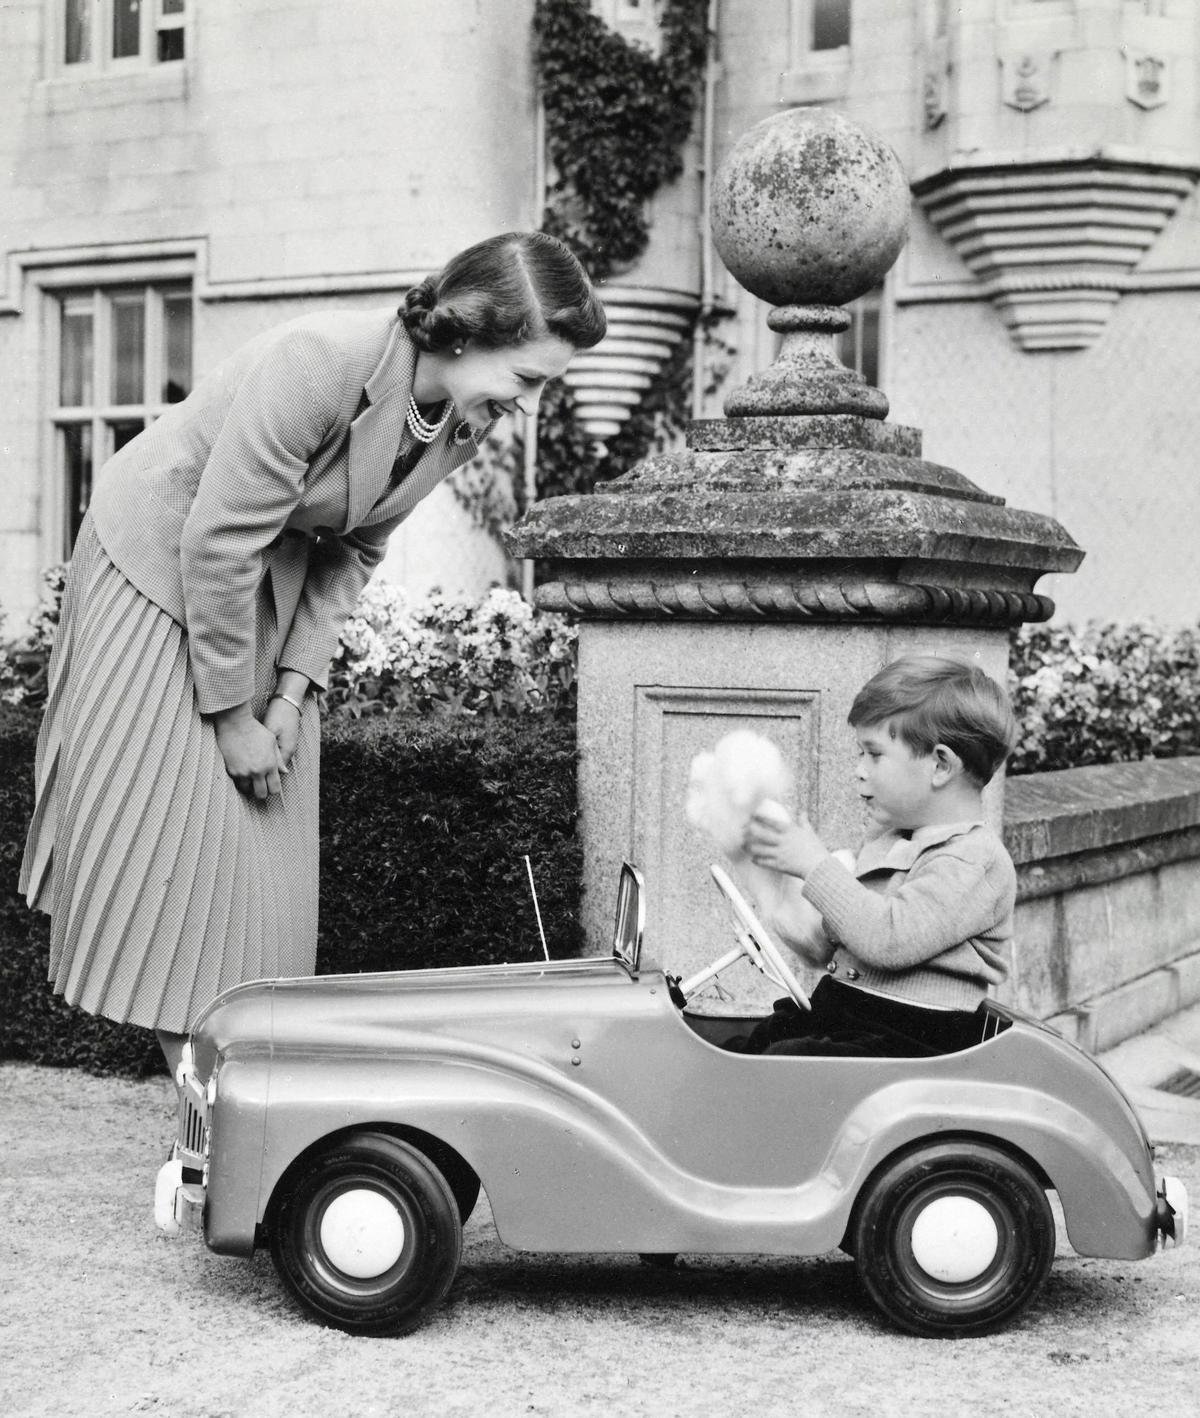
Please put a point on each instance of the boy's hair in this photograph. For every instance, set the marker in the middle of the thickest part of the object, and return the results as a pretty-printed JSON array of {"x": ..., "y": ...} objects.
[{"x": 930, "y": 699}]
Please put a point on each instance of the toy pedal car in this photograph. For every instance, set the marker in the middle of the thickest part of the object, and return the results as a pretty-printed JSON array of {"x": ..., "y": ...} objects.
[{"x": 349, "y": 1122}]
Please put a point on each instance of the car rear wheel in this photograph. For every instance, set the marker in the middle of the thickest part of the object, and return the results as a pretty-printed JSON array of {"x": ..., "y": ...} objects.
[
  {"x": 366, "y": 1235},
  {"x": 953, "y": 1239}
]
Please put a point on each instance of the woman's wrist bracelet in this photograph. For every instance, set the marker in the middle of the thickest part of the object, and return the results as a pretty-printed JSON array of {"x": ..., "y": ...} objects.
[{"x": 296, "y": 704}]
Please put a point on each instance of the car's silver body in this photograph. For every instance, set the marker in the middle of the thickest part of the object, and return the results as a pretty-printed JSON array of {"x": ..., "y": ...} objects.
[{"x": 599, "y": 1116}]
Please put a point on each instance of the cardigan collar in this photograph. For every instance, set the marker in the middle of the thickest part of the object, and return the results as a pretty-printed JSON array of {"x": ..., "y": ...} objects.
[{"x": 892, "y": 851}]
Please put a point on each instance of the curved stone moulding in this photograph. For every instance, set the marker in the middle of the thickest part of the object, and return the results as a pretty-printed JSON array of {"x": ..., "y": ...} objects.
[
  {"x": 1054, "y": 241},
  {"x": 720, "y": 598},
  {"x": 609, "y": 381}
]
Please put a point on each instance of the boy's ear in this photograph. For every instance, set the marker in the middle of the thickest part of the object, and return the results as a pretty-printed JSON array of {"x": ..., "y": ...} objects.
[{"x": 947, "y": 765}]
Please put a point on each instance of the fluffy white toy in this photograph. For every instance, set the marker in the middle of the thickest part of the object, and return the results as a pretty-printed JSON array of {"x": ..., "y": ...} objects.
[{"x": 744, "y": 773}]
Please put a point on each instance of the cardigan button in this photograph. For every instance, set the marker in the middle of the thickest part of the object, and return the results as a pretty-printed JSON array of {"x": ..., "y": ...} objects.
[
  {"x": 832, "y": 967},
  {"x": 852, "y": 973}
]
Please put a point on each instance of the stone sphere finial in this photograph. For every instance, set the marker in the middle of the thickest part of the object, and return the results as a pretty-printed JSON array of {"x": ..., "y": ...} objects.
[{"x": 809, "y": 211}]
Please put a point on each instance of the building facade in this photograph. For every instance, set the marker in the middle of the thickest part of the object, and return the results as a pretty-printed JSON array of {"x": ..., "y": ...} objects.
[{"x": 179, "y": 174}]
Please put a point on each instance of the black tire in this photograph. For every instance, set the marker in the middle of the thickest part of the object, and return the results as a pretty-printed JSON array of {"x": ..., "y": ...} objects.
[
  {"x": 980, "y": 1282},
  {"x": 419, "y": 1230}
]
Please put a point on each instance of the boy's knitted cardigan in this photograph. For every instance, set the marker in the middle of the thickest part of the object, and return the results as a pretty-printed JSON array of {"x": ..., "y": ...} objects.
[{"x": 926, "y": 918}]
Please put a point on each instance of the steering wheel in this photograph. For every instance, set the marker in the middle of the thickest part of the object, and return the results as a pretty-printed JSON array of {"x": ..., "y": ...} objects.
[{"x": 753, "y": 943}]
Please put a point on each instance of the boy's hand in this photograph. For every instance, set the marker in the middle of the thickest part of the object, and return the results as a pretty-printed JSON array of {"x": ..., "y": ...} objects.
[{"x": 774, "y": 840}]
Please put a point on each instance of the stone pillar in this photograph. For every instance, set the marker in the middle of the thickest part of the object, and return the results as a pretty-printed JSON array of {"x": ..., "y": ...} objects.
[{"x": 758, "y": 577}]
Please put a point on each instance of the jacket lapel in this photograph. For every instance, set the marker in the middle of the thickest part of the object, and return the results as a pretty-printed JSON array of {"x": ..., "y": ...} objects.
[
  {"x": 375, "y": 433},
  {"x": 440, "y": 459},
  {"x": 437, "y": 462}
]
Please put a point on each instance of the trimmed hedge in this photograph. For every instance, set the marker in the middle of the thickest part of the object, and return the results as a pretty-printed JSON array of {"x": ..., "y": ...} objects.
[
  {"x": 424, "y": 829},
  {"x": 1103, "y": 693}
]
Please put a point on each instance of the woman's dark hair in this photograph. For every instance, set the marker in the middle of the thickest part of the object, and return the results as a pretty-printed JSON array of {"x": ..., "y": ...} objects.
[{"x": 506, "y": 290}]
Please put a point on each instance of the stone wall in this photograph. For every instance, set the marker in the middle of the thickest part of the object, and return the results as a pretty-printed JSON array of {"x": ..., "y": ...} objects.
[{"x": 1108, "y": 905}]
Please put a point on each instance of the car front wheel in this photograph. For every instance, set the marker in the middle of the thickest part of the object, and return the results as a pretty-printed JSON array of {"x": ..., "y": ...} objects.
[
  {"x": 366, "y": 1235},
  {"x": 953, "y": 1239}
]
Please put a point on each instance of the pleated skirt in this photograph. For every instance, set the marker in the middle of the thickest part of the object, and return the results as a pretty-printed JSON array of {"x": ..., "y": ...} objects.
[{"x": 164, "y": 884}]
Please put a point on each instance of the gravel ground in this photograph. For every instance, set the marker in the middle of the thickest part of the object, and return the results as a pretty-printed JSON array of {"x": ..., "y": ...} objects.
[{"x": 100, "y": 1316}]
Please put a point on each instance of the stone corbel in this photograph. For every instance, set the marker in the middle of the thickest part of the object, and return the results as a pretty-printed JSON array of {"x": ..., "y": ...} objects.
[
  {"x": 609, "y": 381},
  {"x": 1054, "y": 240}
]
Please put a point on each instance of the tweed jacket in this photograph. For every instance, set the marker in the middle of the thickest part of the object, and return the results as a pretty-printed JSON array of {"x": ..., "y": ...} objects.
[
  {"x": 926, "y": 918},
  {"x": 278, "y": 465}
]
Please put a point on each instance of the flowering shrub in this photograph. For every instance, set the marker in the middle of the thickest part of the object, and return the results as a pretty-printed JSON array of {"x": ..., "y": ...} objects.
[
  {"x": 496, "y": 656},
  {"x": 1105, "y": 693},
  {"x": 23, "y": 662}
]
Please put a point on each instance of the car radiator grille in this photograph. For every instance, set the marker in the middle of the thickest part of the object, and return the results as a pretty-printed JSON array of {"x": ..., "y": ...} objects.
[{"x": 191, "y": 1126}]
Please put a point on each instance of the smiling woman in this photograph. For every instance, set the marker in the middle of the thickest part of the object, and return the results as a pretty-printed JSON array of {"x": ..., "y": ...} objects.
[
  {"x": 174, "y": 838},
  {"x": 495, "y": 324}
]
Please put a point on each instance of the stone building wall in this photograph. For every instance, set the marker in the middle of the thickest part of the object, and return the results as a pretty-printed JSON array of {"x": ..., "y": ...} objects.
[
  {"x": 307, "y": 153},
  {"x": 1101, "y": 436},
  {"x": 303, "y": 155}
]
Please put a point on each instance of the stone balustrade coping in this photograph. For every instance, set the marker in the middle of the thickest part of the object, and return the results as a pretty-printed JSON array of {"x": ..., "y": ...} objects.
[{"x": 1089, "y": 810}]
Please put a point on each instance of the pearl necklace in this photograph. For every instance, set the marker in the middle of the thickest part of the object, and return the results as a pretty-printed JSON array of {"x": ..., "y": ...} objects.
[{"x": 422, "y": 431}]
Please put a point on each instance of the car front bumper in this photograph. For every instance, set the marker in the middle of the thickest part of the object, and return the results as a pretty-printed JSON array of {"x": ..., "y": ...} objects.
[
  {"x": 1171, "y": 1217},
  {"x": 178, "y": 1205},
  {"x": 181, "y": 1184}
]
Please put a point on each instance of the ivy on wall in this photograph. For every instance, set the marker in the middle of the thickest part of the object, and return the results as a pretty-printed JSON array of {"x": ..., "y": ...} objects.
[{"x": 617, "y": 119}]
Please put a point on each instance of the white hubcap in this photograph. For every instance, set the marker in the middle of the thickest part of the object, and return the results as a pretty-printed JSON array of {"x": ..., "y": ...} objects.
[
  {"x": 954, "y": 1239},
  {"x": 362, "y": 1233}
]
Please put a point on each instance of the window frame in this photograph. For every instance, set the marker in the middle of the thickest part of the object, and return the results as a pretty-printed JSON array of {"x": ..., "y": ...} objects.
[
  {"x": 813, "y": 75},
  {"x": 806, "y": 39},
  {"x": 873, "y": 304},
  {"x": 99, "y": 288},
  {"x": 637, "y": 22},
  {"x": 102, "y": 63}
]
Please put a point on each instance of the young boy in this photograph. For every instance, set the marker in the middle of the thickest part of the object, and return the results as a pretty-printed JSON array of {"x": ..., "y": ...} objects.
[{"x": 912, "y": 937}]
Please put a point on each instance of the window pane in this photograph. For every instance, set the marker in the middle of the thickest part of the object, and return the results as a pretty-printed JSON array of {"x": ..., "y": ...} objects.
[
  {"x": 177, "y": 344},
  {"x": 127, "y": 25},
  {"x": 77, "y": 457},
  {"x": 858, "y": 347},
  {"x": 123, "y": 430},
  {"x": 75, "y": 376},
  {"x": 831, "y": 23},
  {"x": 128, "y": 346},
  {"x": 170, "y": 45},
  {"x": 869, "y": 343},
  {"x": 77, "y": 41}
]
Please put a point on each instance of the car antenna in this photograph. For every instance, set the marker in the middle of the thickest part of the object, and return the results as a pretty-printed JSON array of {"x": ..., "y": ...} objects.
[{"x": 536, "y": 908}]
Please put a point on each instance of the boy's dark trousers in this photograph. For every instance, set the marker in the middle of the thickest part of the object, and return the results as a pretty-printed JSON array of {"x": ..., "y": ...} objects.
[{"x": 847, "y": 1020}]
